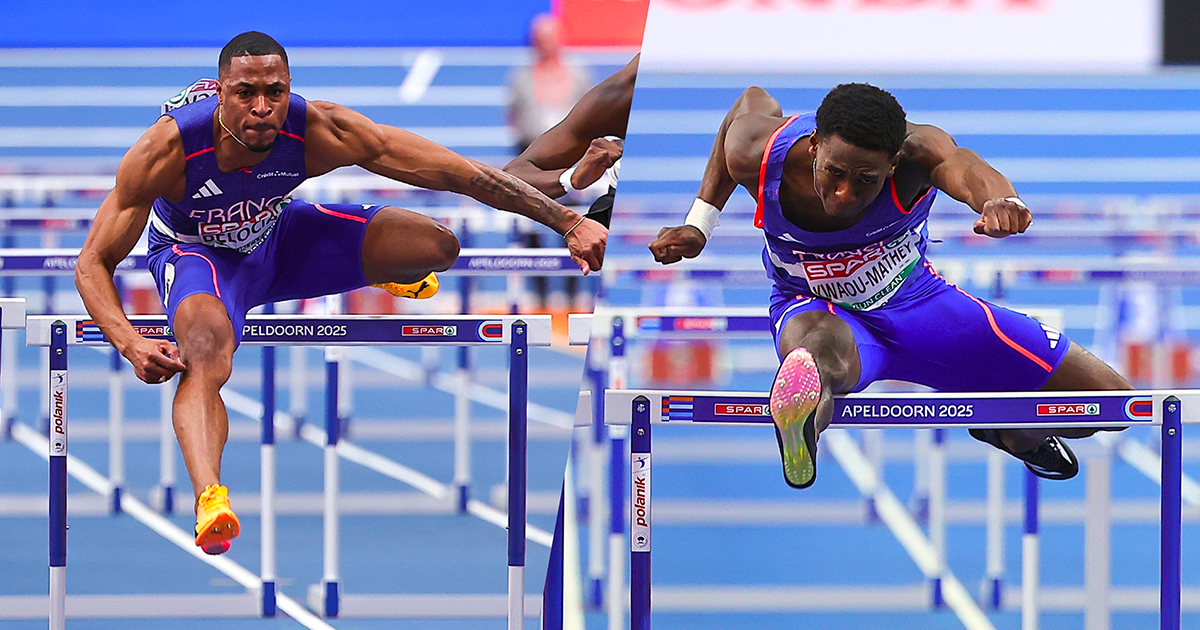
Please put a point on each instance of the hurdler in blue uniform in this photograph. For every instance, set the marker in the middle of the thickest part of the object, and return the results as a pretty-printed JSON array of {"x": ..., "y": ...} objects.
[
  {"x": 843, "y": 196},
  {"x": 213, "y": 178}
]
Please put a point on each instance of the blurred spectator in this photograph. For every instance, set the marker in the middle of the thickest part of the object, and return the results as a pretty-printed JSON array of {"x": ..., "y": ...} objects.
[{"x": 539, "y": 96}]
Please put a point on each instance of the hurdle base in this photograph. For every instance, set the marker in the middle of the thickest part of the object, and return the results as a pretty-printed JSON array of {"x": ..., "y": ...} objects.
[
  {"x": 324, "y": 599},
  {"x": 433, "y": 606},
  {"x": 143, "y": 606},
  {"x": 162, "y": 499}
]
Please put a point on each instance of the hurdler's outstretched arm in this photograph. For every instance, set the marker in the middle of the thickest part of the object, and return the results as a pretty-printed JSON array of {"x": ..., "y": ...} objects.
[
  {"x": 736, "y": 154},
  {"x": 152, "y": 168},
  {"x": 338, "y": 136},
  {"x": 603, "y": 111},
  {"x": 966, "y": 177}
]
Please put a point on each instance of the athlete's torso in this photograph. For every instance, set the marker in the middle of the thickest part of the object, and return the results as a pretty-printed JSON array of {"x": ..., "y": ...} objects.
[
  {"x": 233, "y": 210},
  {"x": 861, "y": 267}
]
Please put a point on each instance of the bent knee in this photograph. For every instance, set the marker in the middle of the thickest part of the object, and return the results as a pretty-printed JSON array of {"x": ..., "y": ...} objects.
[{"x": 445, "y": 249}]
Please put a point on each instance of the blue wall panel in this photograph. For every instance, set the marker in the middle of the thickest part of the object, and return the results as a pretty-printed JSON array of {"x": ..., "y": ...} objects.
[{"x": 136, "y": 23}]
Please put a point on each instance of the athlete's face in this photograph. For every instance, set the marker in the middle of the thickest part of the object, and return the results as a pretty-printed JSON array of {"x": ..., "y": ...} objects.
[
  {"x": 847, "y": 178},
  {"x": 254, "y": 99}
]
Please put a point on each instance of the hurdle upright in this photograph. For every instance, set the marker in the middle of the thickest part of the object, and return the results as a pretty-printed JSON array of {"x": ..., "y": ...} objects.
[
  {"x": 518, "y": 333},
  {"x": 643, "y": 408}
]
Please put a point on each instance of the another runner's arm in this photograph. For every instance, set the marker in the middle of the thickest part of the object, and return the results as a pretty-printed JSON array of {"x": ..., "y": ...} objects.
[
  {"x": 735, "y": 159},
  {"x": 338, "y": 136},
  {"x": 152, "y": 168},
  {"x": 602, "y": 111},
  {"x": 965, "y": 176}
]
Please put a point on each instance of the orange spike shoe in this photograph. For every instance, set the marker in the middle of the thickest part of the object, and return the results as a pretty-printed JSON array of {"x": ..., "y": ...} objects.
[
  {"x": 216, "y": 524},
  {"x": 794, "y": 397},
  {"x": 420, "y": 290}
]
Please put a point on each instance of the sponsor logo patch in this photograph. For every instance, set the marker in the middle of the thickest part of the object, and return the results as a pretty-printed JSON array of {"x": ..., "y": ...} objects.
[
  {"x": 1073, "y": 409},
  {"x": 429, "y": 331},
  {"x": 723, "y": 409}
]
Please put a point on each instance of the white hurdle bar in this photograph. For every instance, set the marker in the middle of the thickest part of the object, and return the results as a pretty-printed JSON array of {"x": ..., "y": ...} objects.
[
  {"x": 644, "y": 408},
  {"x": 272, "y": 330}
]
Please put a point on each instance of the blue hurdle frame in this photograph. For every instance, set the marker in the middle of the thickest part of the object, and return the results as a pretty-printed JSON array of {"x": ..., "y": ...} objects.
[
  {"x": 643, "y": 408},
  {"x": 58, "y": 332}
]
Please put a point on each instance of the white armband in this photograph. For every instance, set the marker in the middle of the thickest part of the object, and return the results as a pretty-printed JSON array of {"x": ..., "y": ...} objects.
[
  {"x": 565, "y": 180},
  {"x": 704, "y": 217}
]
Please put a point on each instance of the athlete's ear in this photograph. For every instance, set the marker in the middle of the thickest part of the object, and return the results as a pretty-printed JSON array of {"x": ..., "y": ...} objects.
[{"x": 813, "y": 141}]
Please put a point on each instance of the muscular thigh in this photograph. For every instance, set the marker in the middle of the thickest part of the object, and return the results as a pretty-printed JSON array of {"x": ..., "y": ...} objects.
[
  {"x": 951, "y": 341},
  {"x": 314, "y": 250},
  {"x": 795, "y": 319}
]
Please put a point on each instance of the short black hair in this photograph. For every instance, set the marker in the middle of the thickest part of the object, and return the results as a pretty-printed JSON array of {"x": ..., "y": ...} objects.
[
  {"x": 863, "y": 115},
  {"x": 249, "y": 43}
]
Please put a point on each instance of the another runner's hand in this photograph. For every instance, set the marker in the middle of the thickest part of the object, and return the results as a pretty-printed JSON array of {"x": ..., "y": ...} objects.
[
  {"x": 676, "y": 243},
  {"x": 586, "y": 243},
  {"x": 1001, "y": 218},
  {"x": 601, "y": 154},
  {"x": 154, "y": 360}
]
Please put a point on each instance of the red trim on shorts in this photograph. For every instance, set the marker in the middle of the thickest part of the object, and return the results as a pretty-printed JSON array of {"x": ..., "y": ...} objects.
[
  {"x": 186, "y": 158},
  {"x": 340, "y": 215},
  {"x": 762, "y": 171},
  {"x": 180, "y": 252},
  {"x": 1012, "y": 344},
  {"x": 290, "y": 135}
]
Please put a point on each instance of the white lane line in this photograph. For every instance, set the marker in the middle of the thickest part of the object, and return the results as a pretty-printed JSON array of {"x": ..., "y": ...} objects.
[
  {"x": 124, "y": 137},
  {"x": 1020, "y": 170},
  {"x": 348, "y": 95},
  {"x": 968, "y": 122},
  {"x": 425, "y": 67}
]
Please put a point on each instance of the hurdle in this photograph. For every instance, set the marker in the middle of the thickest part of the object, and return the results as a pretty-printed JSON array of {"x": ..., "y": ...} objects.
[
  {"x": 641, "y": 409},
  {"x": 471, "y": 263},
  {"x": 516, "y": 333}
]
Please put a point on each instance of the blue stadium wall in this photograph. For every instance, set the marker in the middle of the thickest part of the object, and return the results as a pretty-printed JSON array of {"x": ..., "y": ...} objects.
[{"x": 171, "y": 23}]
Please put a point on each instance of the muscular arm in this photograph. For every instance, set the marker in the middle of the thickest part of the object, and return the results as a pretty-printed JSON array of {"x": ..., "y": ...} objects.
[
  {"x": 966, "y": 177},
  {"x": 153, "y": 168},
  {"x": 958, "y": 172},
  {"x": 603, "y": 111},
  {"x": 735, "y": 158},
  {"x": 738, "y": 148},
  {"x": 338, "y": 136}
]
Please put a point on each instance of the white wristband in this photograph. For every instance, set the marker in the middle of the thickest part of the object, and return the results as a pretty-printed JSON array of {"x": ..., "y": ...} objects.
[
  {"x": 565, "y": 180},
  {"x": 1017, "y": 200},
  {"x": 704, "y": 217}
]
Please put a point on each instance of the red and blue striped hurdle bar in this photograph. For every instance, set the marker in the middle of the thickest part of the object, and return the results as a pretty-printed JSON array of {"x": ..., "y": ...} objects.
[
  {"x": 519, "y": 333},
  {"x": 643, "y": 408}
]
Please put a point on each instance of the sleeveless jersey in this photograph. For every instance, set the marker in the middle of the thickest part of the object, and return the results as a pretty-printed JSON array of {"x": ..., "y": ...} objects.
[
  {"x": 233, "y": 210},
  {"x": 859, "y": 268}
]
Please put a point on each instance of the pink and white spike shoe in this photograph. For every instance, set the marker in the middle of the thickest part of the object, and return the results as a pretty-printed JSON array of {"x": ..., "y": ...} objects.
[{"x": 794, "y": 397}]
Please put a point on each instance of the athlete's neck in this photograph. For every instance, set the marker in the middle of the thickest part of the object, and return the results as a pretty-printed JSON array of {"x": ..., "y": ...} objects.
[{"x": 236, "y": 155}]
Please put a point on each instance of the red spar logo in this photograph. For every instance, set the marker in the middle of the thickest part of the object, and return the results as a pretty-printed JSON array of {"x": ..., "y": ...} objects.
[
  {"x": 429, "y": 331},
  {"x": 1074, "y": 409},
  {"x": 740, "y": 410}
]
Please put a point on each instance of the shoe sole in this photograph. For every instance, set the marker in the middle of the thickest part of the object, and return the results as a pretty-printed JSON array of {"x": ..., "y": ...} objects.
[
  {"x": 795, "y": 393},
  {"x": 218, "y": 532}
]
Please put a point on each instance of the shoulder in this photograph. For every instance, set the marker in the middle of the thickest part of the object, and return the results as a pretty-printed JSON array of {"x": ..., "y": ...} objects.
[
  {"x": 926, "y": 146},
  {"x": 746, "y": 141},
  {"x": 155, "y": 165}
]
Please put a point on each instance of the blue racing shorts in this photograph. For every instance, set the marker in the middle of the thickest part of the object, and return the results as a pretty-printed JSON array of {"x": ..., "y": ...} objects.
[
  {"x": 937, "y": 335},
  {"x": 313, "y": 250}
]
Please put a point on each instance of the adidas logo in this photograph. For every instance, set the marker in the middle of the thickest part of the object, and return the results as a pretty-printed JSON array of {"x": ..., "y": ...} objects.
[
  {"x": 209, "y": 189},
  {"x": 1052, "y": 335}
]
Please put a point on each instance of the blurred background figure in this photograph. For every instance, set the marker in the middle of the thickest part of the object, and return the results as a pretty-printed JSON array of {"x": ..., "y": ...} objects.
[{"x": 539, "y": 96}]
